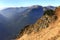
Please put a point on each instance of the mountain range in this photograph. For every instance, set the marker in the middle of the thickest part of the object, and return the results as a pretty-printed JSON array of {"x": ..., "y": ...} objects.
[{"x": 12, "y": 20}]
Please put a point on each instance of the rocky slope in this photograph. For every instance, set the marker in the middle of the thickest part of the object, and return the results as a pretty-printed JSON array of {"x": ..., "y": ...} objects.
[{"x": 46, "y": 28}]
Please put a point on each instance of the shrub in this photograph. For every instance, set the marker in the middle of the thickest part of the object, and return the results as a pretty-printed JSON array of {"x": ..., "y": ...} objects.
[{"x": 49, "y": 12}]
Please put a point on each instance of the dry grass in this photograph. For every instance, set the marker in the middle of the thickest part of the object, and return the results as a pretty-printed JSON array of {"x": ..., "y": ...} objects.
[{"x": 52, "y": 32}]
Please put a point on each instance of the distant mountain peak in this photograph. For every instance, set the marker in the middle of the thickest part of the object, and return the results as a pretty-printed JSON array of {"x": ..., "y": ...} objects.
[{"x": 35, "y": 6}]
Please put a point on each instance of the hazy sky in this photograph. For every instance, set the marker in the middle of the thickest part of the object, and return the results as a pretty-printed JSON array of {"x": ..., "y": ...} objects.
[{"x": 19, "y": 3}]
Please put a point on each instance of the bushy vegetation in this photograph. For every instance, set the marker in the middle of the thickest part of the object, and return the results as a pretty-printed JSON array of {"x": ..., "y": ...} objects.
[
  {"x": 48, "y": 17},
  {"x": 49, "y": 12}
]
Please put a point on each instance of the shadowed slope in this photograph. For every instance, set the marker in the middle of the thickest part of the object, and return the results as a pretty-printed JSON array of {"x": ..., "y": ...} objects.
[{"x": 18, "y": 18}]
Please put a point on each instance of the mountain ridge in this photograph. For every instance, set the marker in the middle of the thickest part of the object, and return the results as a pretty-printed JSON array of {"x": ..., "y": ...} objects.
[
  {"x": 49, "y": 32},
  {"x": 15, "y": 19}
]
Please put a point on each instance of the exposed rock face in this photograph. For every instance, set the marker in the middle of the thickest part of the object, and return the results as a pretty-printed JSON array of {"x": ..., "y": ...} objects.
[{"x": 46, "y": 28}]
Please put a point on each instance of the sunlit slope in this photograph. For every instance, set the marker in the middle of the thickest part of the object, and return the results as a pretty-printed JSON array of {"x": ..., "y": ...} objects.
[{"x": 50, "y": 32}]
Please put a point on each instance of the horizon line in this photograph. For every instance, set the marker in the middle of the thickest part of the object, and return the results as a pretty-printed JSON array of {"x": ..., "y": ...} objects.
[{"x": 4, "y": 7}]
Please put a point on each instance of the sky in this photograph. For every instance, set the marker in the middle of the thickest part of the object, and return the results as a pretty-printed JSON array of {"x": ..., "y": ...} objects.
[{"x": 23, "y": 3}]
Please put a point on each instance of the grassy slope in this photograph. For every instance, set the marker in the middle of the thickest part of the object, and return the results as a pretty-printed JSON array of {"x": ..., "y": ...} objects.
[{"x": 51, "y": 32}]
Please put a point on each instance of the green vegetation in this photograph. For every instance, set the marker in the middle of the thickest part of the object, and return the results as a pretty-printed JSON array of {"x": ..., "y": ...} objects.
[
  {"x": 49, "y": 12},
  {"x": 48, "y": 17}
]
